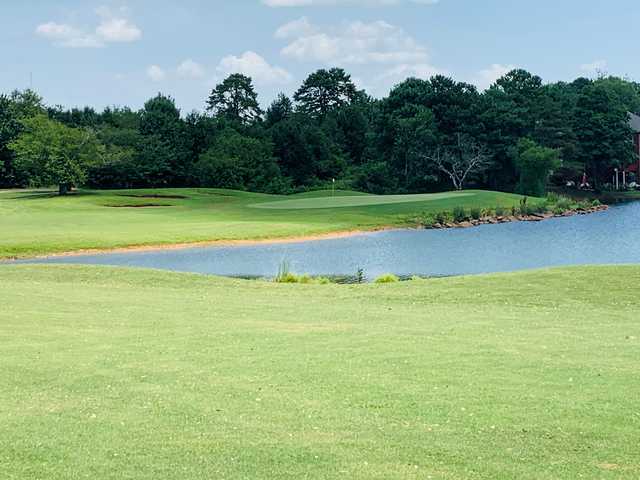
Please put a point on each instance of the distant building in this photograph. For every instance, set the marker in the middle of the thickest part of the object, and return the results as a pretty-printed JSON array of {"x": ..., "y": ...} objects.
[{"x": 634, "y": 123}]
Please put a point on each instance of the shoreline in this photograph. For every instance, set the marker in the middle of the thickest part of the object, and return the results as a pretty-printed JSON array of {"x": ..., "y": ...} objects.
[
  {"x": 208, "y": 243},
  {"x": 495, "y": 220},
  {"x": 535, "y": 217}
]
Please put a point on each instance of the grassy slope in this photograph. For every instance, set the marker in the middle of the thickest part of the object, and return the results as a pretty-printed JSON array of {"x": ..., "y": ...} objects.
[
  {"x": 36, "y": 223},
  {"x": 111, "y": 373}
]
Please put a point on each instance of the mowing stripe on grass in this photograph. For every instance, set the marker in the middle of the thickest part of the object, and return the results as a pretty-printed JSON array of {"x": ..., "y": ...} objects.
[{"x": 355, "y": 201}]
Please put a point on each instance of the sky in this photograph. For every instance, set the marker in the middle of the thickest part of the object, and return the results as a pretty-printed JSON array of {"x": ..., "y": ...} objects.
[{"x": 122, "y": 52}]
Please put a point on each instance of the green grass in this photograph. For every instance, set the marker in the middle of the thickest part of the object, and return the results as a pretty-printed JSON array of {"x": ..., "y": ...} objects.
[
  {"x": 112, "y": 373},
  {"x": 341, "y": 201},
  {"x": 37, "y": 222}
]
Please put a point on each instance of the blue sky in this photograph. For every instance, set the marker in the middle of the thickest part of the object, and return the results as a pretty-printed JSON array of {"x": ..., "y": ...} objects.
[{"x": 104, "y": 52}]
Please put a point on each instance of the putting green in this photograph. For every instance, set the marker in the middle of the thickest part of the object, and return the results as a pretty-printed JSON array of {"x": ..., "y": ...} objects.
[{"x": 356, "y": 201}]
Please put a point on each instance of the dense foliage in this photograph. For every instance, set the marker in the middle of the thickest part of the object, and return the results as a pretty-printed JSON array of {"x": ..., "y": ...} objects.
[{"x": 427, "y": 135}]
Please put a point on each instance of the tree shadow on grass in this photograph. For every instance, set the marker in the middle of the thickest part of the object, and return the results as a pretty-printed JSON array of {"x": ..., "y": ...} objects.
[{"x": 43, "y": 194}]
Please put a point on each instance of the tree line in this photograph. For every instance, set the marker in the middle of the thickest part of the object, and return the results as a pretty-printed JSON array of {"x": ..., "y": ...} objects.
[{"x": 426, "y": 135}]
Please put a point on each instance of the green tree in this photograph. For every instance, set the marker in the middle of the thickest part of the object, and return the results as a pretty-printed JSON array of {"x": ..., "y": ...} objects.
[
  {"x": 304, "y": 151},
  {"x": 352, "y": 122},
  {"x": 510, "y": 111},
  {"x": 324, "y": 91},
  {"x": 279, "y": 110},
  {"x": 603, "y": 133},
  {"x": 15, "y": 107},
  {"x": 534, "y": 164},
  {"x": 240, "y": 162},
  {"x": 52, "y": 153},
  {"x": 415, "y": 133},
  {"x": 454, "y": 105},
  {"x": 235, "y": 100},
  {"x": 9, "y": 130},
  {"x": 160, "y": 116},
  {"x": 163, "y": 153},
  {"x": 628, "y": 92},
  {"x": 119, "y": 132},
  {"x": 27, "y": 103}
]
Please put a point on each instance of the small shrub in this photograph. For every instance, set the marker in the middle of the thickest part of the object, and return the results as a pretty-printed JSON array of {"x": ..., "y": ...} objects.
[
  {"x": 287, "y": 278},
  {"x": 514, "y": 210},
  {"x": 552, "y": 198},
  {"x": 558, "y": 211},
  {"x": 428, "y": 220},
  {"x": 488, "y": 212},
  {"x": 595, "y": 203},
  {"x": 387, "y": 278},
  {"x": 306, "y": 279},
  {"x": 360, "y": 276},
  {"x": 476, "y": 213},
  {"x": 524, "y": 208},
  {"x": 540, "y": 207},
  {"x": 440, "y": 217},
  {"x": 500, "y": 211},
  {"x": 459, "y": 214},
  {"x": 323, "y": 281},
  {"x": 564, "y": 203},
  {"x": 284, "y": 275}
]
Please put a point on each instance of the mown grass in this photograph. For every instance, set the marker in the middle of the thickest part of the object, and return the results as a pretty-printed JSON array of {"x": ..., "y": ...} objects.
[
  {"x": 40, "y": 222},
  {"x": 112, "y": 373}
]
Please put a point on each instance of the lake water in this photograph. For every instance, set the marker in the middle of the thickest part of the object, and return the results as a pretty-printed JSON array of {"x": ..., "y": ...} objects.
[{"x": 609, "y": 237}]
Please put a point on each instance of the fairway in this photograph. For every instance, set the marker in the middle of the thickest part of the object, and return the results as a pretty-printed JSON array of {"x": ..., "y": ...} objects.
[
  {"x": 110, "y": 373},
  {"x": 40, "y": 222},
  {"x": 359, "y": 201}
]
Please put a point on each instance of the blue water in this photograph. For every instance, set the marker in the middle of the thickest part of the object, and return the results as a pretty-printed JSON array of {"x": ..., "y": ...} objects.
[{"x": 609, "y": 237}]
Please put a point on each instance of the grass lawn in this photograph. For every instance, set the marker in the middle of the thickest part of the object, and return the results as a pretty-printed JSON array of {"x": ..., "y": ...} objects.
[
  {"x": 37, "y": 222},
  {"x": 113, "y": 373}
]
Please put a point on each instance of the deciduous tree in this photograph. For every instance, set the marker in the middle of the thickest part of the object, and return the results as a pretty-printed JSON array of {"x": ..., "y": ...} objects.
[
  {"x": 534, "y": 164},
  {"x": 49, "y": 152}
]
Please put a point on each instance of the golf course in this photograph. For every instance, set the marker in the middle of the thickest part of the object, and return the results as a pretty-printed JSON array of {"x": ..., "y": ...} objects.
[
  {"x": 113, "y": 373},
  {"x": 39, "y": 222}
]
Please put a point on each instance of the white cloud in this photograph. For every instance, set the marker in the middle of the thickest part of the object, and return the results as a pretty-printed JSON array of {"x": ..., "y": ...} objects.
[
  {"x": 190, "y": 69},
  {"x": 338, "y": 3},
  {"x": 64, "y": 35},
  {"x": 156, "y": 74},
  {"x": 296, "y": 28},
  {"x": 118, "y": 30},
  {"x": 594, "y": 67},
  {"x": 56, "y": 31},
  {"x": 351, "y": 43},
  {"x": 114, "y": 27},
  {"x": 487, "y": 77},
  {"x": 254, "y": 66}
]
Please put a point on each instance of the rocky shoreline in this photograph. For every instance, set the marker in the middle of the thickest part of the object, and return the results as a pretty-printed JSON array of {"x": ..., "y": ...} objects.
[{"x": 534, "y": 217}]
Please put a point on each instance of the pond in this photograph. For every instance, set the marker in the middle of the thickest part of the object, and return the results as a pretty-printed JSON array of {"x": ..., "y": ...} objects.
[{"x": 609, "y": 237}]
